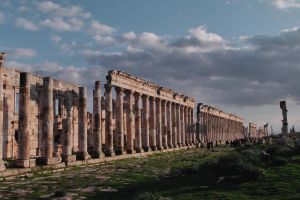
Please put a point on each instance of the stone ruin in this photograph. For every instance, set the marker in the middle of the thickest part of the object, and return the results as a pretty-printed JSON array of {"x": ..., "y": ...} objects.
[{"x": 45, "y": 121}]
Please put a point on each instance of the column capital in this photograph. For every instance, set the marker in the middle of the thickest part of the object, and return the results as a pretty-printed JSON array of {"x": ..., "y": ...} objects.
[{"x": 119, "y": 89}]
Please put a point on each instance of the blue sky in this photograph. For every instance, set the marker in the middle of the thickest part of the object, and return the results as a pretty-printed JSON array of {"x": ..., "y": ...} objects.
[{"x": 239, "y": 55}]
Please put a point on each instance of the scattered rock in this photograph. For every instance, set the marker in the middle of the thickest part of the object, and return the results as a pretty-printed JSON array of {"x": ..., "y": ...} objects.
[
  {"x": 89, "y": 189},
  {"x": 107, "y": 189}
]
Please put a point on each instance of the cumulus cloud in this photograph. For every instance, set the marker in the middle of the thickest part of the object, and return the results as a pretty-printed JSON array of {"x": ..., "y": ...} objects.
[
  {"x": 22, "y": 53},
  {"x": 286, "y": 4},
  {"x": 98, "y": 28},
  {"x": 49, "y": 7},
  {"x": 61, "y": 25},
  {"x": 263, "y": 71},
  {"x": 26, "y": 24}
]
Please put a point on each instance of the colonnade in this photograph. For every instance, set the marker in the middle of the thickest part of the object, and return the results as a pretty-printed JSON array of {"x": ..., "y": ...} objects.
[
  {"x": 145, "y": 119},
  {"x": 217, "y": 126}
]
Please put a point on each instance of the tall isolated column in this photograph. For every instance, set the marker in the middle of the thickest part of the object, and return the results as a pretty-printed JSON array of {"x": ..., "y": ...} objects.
[
  {"x": 130, "y": 122},
  {"x": 164, "y": 125},
  {"x": 138, "y": 123},
  {"x": 152, "y": 124},
  {"x": 2, "y": 166},
  {"x": 82, "y": 126},
  {"x": 145, "y": 126},
  {"x": 109, "y": 151},
  {"x": 24, "y": 122},
  {"x": 178, "y": 122},
  {"x": 159, "y": 124},
  {"x": 119, "y": 120},
  {"x": 174, "y": 125},
  {"x": 97, "y": 120},
  {"x": 169, "y": 125}
]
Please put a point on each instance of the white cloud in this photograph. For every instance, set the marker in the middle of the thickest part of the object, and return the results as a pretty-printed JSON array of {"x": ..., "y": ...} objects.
[
  {"x": 23, "y": 53},
  {"x": 56, "y": 38},
  {"x": 26, "y": 24},
  {"x": 57, "y": 10},
  {"x": 129, "y": 35},
  {"x": 98, "y": 28},
  {"x": 61, "y": 25},
  {"x": 201, "y": 34},
  {"x": 286, "y": 4}
]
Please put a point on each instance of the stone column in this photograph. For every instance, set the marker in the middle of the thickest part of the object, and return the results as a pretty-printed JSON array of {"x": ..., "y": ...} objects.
[
  {"x": 183, "y": 126},
  {"x": 109, "y": 151},
  {"x": 178, "y": 122},
  {"x": 82, "y": 124},
  {"x": 152, "y": 124},
  {"x": 138, "y": 123},
  {"x": 2, "y": 166},
  {"x": 67, "y": 128},
  {"x": 198, "y": 131},
  {"x": 174, "y": 125},
  {"x": 187, "y": 130},
  {"x": 24, "y": 123},
  {"x": 145, "y": 125},
  {"x": 164, "y": 125},
  {"x": 119, "y": 120},
  {"x": 193, "y": 139},
  {"x": 159, "y": 124},
  {"x": 48, "y": 115},
  {"x": 97, "y": 115},
  {"x": 130, "y": 122},
  {"x": 169, "y": 125}
]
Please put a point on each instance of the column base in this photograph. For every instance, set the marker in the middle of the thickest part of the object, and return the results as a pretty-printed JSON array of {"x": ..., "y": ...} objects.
[
  {"x": 121, "y": 152},
  {"x": 153, "y": 148},
  {"x": 165, "y": 146},
  {"x": 99, "y": 154},
  {"x": 160, "y": 148},
  {"x": 130, "y": 151},
  {"x": 139, "y": 150},
  {"x": 170, "y": 146},
  {"x": 83, "y": 156},
  {"x": 179, "y": 145},
  {"x": 2, "y": 166},
  {"x": 109, "y": 152},
  {"x": 25, "y": 163},
  {"x": 68, "y": 158},
  {"x": 47, "y": 161},
  {"x": 147, "y": 149}
]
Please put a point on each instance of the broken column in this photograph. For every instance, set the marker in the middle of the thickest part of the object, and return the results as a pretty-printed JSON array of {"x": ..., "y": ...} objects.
[
  {"x": 2, "y": 166},
  {"x": 97, "y": 120},
  {"x": 284, "y": 128},
  {"x": 82, "y": 126},
  {"x": 24, "y": 123},
  {"x": 109, "y": 151}
]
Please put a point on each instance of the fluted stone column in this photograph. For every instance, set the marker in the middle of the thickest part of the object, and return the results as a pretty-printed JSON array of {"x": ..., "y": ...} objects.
[
  {"x": 109, "y": 151},
  {"x": 48, "y": 121},
  {"x": 130, "y": 122},
  {"x": 159, "y": 124},
  {"x": 138, "y": 123},
  {"x": 2, "y": 166},
  {"x": 145, "y": 124},
  {"x": 24, "y": 123},
  {"x": 119, "y": 120},
  {"x": 67, "y": 130},
  {"x": 152, "y": 124},
  {"x": 97, "y": 120},
  {"x": 174, "y": 125},
  {"x": 164, "y": 125},
  {"x": 178, "y": 122},
  {"x": 183, "y": 126},
  {"x": 169, "y": 125},
  {"x": 82, "y": 125}
]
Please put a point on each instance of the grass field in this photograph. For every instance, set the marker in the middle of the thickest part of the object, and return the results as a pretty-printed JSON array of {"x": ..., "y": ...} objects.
[{"x": 225, "y": 173}]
